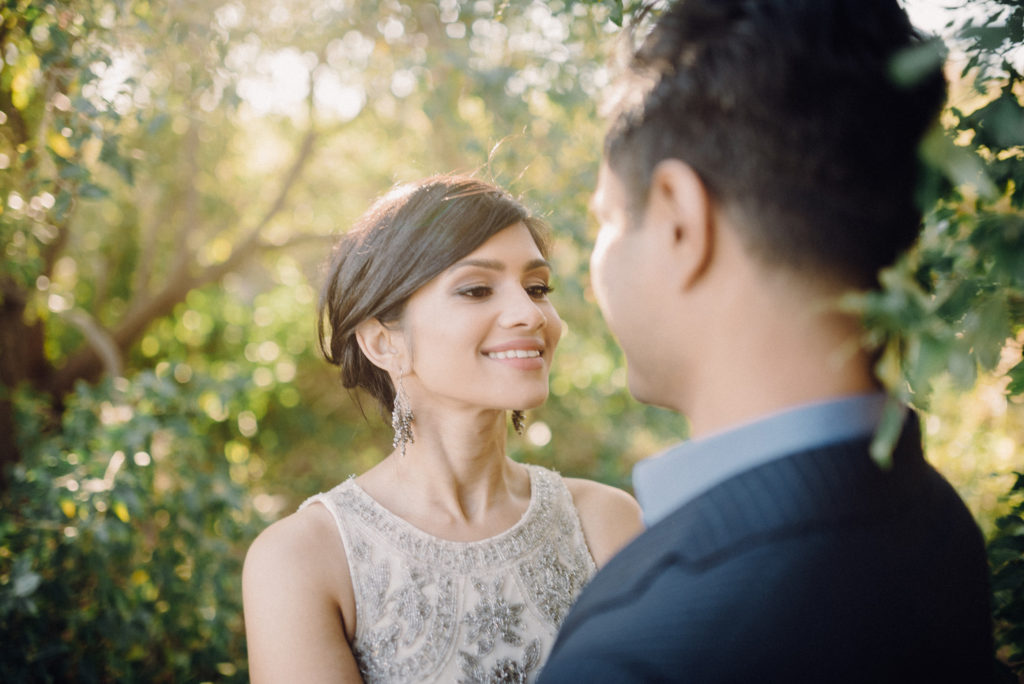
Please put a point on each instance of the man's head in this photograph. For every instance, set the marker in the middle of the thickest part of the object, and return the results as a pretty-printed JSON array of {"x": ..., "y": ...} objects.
[
  {"x": 761, "y": 158},
  {"x": 789, "y": 112}
]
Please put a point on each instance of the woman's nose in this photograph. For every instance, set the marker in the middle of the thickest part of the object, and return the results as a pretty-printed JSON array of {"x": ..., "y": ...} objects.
[{"x": 523, "y": 311}]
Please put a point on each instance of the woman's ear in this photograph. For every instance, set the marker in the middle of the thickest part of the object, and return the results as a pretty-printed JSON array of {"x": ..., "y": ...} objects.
[
  {"x": 380, "y": 344},
  {"x": 680, "y": 206}
]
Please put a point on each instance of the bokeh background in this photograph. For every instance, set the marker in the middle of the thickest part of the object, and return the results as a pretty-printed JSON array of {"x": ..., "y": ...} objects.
[{"x": 172, "y": 176}]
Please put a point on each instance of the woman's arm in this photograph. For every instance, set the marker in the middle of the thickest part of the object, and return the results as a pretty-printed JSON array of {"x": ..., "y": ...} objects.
[
  {"x": 610, "y": 517},
  {"x": 294, "y": 584}
]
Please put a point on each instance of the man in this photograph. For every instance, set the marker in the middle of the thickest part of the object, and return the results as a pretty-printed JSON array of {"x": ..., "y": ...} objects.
[{"x": 760, "y": 163}]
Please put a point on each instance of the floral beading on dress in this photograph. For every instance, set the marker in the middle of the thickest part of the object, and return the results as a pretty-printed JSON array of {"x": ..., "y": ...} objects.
[{"x": 429, "y": 609}]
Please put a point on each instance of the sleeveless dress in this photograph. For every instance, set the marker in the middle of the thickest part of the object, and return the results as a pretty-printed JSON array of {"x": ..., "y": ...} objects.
[{"x": 433, "y": 610}]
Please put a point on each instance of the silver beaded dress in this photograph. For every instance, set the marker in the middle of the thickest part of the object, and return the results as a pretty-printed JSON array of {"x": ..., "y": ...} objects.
[{"x": 433, "y": 610}]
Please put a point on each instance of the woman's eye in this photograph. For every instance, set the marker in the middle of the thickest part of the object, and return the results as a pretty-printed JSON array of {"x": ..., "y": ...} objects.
[
  {"x": 475, "y": 292},
  {"x": 539, "y": 291}
]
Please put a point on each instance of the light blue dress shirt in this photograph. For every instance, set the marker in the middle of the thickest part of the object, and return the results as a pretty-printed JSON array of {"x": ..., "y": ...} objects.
[{"x": 668, "y": 480}]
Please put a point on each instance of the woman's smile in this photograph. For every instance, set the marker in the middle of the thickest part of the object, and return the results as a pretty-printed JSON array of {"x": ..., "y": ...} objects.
[{"x": 527, "y": 354}]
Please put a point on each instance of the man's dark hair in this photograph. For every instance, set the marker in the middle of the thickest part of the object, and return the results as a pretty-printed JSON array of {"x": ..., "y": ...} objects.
[{"x": 790, "y": 113}]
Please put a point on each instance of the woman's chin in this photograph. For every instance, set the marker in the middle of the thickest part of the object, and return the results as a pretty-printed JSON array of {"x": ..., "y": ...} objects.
[{"x": 528, "y": 403}]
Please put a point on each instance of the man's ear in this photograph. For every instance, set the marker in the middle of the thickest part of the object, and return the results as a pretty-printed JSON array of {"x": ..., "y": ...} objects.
[
  {"x": 680, "y": 207},
  {"x": 380, "y": 344}
]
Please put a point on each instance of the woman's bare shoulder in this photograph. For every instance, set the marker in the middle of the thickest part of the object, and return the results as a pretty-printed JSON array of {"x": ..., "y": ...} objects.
[
  {"x": 301, "y": 554},
  {"x": 596, "y": 498},
  {"x": 610, "y": 517},
  {"x": 299, "y": 609},
  {"x": 296, "y": 539}
]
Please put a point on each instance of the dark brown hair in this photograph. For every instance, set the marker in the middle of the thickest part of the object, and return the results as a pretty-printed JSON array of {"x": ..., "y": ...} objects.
[
  {"x": 792, "y": 114},
  {"x": 407, "y": 238}
]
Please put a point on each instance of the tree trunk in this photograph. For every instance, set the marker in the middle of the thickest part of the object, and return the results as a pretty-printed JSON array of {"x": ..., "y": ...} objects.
[{"x": 21, "y": 360}]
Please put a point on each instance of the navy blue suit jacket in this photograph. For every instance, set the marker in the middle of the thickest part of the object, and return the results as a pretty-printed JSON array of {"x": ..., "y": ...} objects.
[{"x": 817, "y": 567}]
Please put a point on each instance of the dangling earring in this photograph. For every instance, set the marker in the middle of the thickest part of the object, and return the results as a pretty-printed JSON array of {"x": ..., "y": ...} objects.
[
  {"x": 401, "y": 419},
  {"x": 518, "y": 418}
]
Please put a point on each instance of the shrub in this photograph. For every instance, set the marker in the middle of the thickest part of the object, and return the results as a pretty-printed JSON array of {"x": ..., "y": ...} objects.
[{"x": 122, "y": 534}]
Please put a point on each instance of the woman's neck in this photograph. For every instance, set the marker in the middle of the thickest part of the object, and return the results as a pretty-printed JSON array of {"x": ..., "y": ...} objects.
[{"x": 454, "y": 481}]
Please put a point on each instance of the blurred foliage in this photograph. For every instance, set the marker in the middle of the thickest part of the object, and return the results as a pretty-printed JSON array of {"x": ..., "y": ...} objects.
[
  {"x": 171, "y": 176},
  {"x": 122, "y": 534},
  {"x": 949, "y": 319}
]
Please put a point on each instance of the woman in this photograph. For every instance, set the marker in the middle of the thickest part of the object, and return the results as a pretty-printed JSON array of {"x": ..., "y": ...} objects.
[{"x": 447, "y": 561}]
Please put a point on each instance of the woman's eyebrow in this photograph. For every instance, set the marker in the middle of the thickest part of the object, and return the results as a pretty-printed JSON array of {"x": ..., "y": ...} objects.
[
  {"x": 495, "y": 265},
  {"x": 489, "y": 264}
]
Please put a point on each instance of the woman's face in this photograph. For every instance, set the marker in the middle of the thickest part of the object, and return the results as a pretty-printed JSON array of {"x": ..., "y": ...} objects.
[{"x": 483, "y": 332}]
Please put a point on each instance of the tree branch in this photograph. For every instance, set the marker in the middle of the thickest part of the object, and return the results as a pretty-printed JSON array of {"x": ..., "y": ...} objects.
[
  {"x": 302, "y": 158},
  {"x": 87, "y": 363},
  {"x": 99, "y": 339},
  {"x": 148, "y": 237},
  {"x": 217, "y": 271},
  {"x": 252, "y": 242}
]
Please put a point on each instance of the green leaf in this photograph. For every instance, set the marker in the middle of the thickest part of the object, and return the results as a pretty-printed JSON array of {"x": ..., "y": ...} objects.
[
  {"x": 992, "y": 331},
  {"x": 73, "y": 171},
  {"x": 913, "y": 64},
  {"x": 112, "y": 157},
  {"x": 999, "y": 125},
  {"x": 960, "y": 164},
  {"x": 93, "y": 191},
  {"x": 26, "y": 584},
  {"x": 1016, "y": 386},
  {"x": 888, "y": 432},
  {"x": 616, "y": 11}
]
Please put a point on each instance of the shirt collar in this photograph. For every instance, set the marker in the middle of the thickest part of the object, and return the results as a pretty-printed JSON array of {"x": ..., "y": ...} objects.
[{"x": 666, "y": 481}]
